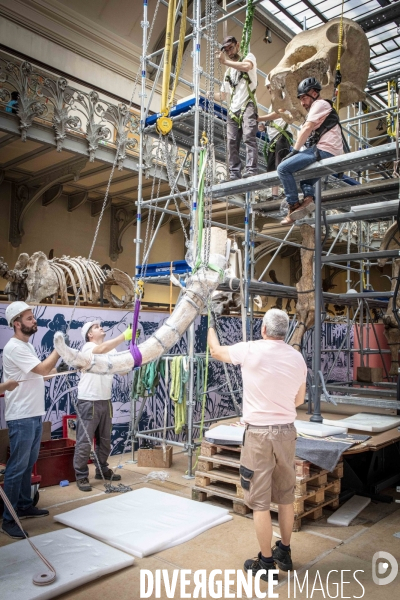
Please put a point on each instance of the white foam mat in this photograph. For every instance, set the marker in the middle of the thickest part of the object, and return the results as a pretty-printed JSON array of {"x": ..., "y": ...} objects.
[
  {"x": 145, "y": 521},
  {"x": 367, "y": 422},
  {"x": 77, "y": 559},
  {"x": 225, "y": 433},
  {"x": 350, "y": 509},
  {"x": 318, "y": 429}
]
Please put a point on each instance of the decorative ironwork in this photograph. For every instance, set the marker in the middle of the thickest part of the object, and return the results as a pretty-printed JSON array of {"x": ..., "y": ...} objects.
[{"x": 68, "y": 109}]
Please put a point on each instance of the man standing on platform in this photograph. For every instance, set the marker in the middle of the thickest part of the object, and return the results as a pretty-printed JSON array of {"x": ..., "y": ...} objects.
[
  {"x": 274, "y": 384},
  {"x": 240, "y": 83},
  {"x": 95, "y": 408}
]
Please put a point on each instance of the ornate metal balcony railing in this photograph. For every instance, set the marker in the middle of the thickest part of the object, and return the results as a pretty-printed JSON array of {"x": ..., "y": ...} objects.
[{"x": 47, "y": 98}]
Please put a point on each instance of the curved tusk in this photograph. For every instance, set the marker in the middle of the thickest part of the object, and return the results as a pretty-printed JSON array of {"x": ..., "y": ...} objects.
[{"x": 192, "y": 302}]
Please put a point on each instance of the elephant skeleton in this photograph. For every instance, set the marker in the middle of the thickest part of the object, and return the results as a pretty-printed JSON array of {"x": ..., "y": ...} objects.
[
  {"x": 192, "y": 301},
  {"x": 35, "y": 278}
]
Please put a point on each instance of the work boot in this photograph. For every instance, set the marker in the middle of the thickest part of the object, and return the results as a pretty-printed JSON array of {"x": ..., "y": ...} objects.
[
  {"x": 109, "y": 474},
  {"x": 230, "y": 178},
  {"x": 283, "y": 558},
  {"x": 11, "y": 529},
  {"x": 257, "y": 564},
  {"x": 84, "y": 485},
  {"x": 291, "y": 209},
  {"x": 32, "y": 513},
  {"x": 307, "y": 207},
  {"x": 247, "y": 174}
]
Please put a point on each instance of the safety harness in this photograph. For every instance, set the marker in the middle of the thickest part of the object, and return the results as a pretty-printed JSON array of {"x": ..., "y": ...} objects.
[
  {"x": 329, "y": 123},
  {"x": 270, "y": 145},
  {"x": 250, "y": 97}
]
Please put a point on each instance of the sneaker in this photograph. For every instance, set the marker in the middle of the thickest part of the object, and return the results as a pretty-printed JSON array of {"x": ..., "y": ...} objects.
[
  {"x": 11, "y": 529},
  {"x": 32, "y": 513},
  {"x": 109, "y": 474},
  {"x": 257, "y": 564},
  {"x": 283, "y": 558},
  {"x": 84, "y": 485}
]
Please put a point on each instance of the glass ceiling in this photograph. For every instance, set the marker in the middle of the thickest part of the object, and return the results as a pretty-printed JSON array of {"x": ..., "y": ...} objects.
[{"x": 384, "y": 41}]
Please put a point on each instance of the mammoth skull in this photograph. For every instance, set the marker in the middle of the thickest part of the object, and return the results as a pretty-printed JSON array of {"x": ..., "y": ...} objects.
[{"x": 314, "y": 53}]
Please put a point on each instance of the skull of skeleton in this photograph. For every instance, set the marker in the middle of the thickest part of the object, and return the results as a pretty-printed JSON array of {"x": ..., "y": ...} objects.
[{"x": 314, "y": 53}]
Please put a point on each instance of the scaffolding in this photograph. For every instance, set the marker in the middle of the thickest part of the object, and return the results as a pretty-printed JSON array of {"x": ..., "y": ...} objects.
[{"x": 376, "y": 200}]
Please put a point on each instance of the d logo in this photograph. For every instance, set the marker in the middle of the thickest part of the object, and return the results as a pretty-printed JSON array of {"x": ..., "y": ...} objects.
[{"x": 382, "y": 568}]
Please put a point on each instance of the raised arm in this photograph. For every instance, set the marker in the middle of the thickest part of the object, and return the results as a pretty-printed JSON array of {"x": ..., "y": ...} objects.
[
  {"x": 217, "y": 351},
  {"x": 47, "y": 365},
  {"x": 111, "y": 344}
]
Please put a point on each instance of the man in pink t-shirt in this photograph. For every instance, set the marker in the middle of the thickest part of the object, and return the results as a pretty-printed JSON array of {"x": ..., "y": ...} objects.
[
  {"x": 323, "y": 135},
  {"x": 274, "y": 384}
]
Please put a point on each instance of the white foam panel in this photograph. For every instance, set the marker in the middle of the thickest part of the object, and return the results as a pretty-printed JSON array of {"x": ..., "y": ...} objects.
[
  {"x": 76, "y": 558},
  {"x": 145, "y": 521}
]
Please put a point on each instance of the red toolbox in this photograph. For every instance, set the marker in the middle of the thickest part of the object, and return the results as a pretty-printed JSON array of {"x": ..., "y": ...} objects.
[{"x": 55, "y": 462}]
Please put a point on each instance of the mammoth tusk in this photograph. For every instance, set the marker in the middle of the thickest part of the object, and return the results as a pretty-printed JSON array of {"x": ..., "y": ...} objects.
[{"x": 192, "y": 301}]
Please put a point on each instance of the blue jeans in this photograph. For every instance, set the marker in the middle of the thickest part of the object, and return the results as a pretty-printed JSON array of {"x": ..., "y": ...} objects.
[
  {"x": 297, "y": 163},
  {"x": 25, "y": 436}
]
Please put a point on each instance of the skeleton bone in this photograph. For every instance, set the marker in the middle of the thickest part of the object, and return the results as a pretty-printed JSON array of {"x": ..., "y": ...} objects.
[
  {"x": 191, "y": 303},
  {"x": 391, "y": 241},
  {"x": 314, "y": 53},
  {"x": 305, "y": 307}
]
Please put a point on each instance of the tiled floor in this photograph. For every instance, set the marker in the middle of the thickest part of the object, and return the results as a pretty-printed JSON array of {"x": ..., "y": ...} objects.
[{"x": 317, "y": 549}]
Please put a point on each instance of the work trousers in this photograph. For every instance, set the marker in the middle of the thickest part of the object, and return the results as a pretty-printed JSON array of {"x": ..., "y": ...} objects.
[
  {"x": 25, "y": 436},
  {"x": 297, "y": 163},
  {"x": 247, "y": 132},
  {"x": 96, "y": 417}
]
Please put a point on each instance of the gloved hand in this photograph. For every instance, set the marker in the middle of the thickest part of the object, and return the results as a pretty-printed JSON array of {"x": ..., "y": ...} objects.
[
  {"x": 66, "y": 339},
  {"x": 128, "y": 334},
  {"x": 292, "y": 153},
  {"x": 212, "y": 321},
  {"x": 62, "y": 367}
]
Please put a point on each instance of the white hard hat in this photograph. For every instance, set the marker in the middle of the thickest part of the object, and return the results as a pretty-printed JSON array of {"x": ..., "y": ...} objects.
[
  {"x": 267, "y": 80},
  {"x": 87, "y": 326},
  {"x": 15, "y": 309}
]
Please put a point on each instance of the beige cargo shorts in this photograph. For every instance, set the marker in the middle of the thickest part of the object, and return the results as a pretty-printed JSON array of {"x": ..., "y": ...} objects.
[{"x": 267, "y": 465}]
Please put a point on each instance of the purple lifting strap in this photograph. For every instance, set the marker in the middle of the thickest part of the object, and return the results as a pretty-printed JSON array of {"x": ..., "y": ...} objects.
[{"x": 136, "y": 354}]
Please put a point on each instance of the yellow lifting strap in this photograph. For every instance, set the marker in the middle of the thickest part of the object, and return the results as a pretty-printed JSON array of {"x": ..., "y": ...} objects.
[
  {"x": 338, "y": 77},
  {"x": 391, "y": 117},
  {"x": 164, "y": 123}
]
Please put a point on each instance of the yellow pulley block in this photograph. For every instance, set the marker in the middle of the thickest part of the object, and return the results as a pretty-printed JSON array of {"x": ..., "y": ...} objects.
[
  {"x": 139, "y": 288},
  {"x": 204, "y": 139},
  {"x": 164, "y": 125}
]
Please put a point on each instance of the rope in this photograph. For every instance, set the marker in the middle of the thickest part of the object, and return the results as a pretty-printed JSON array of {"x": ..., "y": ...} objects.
[
  {"x": 179, "y": 56},
  {"x": 40, "y": 578}
]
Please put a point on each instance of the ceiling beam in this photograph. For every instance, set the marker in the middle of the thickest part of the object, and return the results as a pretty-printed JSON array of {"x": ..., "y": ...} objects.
[
  {"x": 27, "y": 156},
  {"x": 379, "y": 17}
]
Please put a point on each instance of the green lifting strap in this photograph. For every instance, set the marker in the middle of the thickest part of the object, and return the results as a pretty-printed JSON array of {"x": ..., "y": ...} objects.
[
  {"x": 270, "y": 146},
  {"x": 247, "y": 29}
]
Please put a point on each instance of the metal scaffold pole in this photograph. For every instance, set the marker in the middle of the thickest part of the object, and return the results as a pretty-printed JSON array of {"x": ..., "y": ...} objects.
[
  {"x": 143, "y": 96},
  {"x": 193, "y": 225},
  {"x": 316, "y": 417}
]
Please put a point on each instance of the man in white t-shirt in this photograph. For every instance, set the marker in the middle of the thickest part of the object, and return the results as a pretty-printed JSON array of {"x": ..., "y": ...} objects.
[
  {"x": 239, "y": 87},
  {"x": 24, "y": 409},
  {"x": 323, "y": 136},
  {"x": 274, "y": 384},
  {"x": 279, "y": 138},
  {"x": 95, "y": 408}
]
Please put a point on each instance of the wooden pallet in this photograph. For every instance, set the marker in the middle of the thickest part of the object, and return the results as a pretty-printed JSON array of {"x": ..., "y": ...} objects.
[{"x": 218, "y": 475}]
